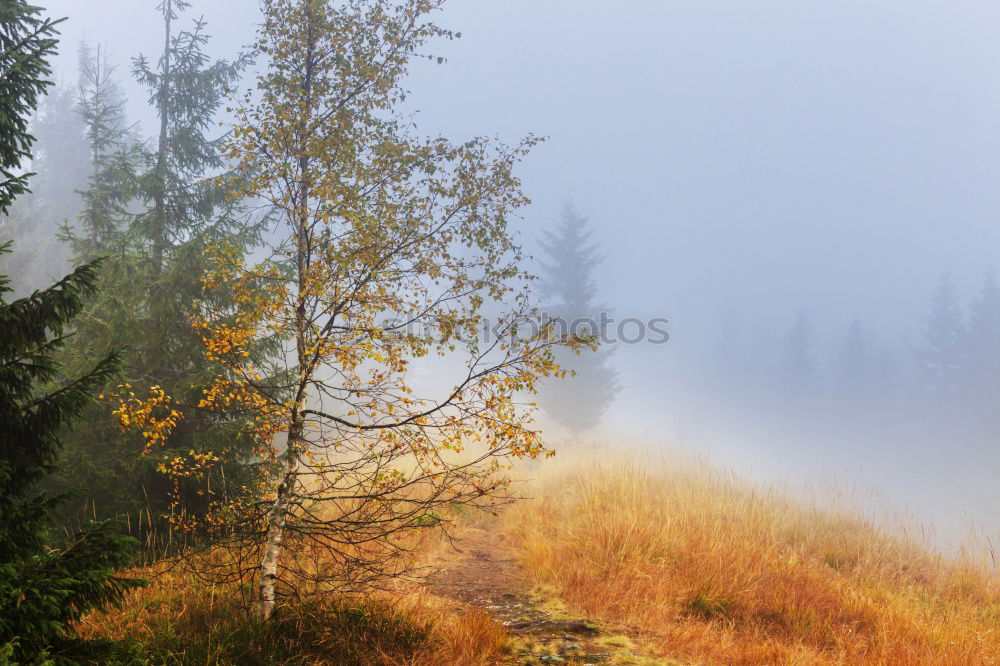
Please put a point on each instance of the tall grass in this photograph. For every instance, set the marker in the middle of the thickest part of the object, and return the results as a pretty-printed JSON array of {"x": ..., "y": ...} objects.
[
  {"x": 714, "y": 570},
  {"x": 197, "y": 610},
  {"x": 180, "y": 619}
]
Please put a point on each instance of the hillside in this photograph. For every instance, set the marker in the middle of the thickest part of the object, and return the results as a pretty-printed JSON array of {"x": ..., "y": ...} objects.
[
  {"x": 713, "y": 570},
  {"x": 623, "y": 562}
]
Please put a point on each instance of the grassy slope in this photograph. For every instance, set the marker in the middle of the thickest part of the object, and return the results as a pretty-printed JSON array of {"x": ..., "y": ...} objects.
[
  {"x": 717, "y": 572},
  {"x": 708, "y": 570},
  {"x": 182, "y": 619}
]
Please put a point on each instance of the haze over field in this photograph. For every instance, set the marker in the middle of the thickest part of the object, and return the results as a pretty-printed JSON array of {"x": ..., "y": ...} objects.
[
  {"x": 464, "y": 333},
  {"x": 740, "y": 164}
]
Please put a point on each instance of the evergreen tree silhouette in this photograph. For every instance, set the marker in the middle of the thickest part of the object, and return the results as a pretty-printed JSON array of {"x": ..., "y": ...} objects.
[
  {"x": 114, "y": 156},
  {"x": 153, "y": 208},
  {"x": 941, "y": 361},
  {"x": 799, "y": 363},
  {"x": 981, "y": 386},
  {"x": 569, "y": 292},
  {"x": 59, "y": 158}
]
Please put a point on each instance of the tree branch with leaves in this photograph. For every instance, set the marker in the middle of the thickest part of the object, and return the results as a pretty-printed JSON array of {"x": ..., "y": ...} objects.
[{"x": 393, "y": 252}]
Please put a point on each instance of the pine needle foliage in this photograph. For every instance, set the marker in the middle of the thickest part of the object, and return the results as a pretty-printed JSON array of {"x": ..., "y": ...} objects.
[
  {"x": 153, "y": 207},
  {"x": 43, "y": 590}
]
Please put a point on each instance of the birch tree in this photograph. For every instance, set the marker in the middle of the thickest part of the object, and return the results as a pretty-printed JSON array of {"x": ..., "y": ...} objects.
[{"x": 393, "y": 252}]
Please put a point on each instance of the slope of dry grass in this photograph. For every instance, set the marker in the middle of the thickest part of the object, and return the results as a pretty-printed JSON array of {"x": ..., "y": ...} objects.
[
  {"x": 179, "y": 619},
  {"x": 715, "y": 571},
  {"x": 703, "y": 567}
]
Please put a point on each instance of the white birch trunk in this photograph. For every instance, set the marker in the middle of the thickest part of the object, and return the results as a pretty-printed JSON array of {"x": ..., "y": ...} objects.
[
  {"x": 279, "y": 510},
  {"x": 275, "y": 534}
]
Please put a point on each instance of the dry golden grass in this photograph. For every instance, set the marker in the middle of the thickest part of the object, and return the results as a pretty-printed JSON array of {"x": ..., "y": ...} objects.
[
  {"x": 715, "y": 571},
  {"x": 180, "y": 619},
  {"x": 708, "y": 569}
]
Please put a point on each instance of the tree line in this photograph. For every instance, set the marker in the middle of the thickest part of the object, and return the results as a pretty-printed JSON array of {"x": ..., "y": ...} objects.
[{"x": 953, "y": 363}]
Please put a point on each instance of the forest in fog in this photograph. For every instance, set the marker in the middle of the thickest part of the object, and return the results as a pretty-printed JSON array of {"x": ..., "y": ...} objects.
[{"x": 444, "y": 332}]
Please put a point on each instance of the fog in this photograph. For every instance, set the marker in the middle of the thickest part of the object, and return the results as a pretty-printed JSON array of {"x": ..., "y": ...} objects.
[{"x": 743, "y": 167}]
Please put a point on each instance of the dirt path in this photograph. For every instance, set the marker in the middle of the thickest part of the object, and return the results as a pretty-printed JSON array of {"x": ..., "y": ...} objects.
[{"x": 483, "y": 573}]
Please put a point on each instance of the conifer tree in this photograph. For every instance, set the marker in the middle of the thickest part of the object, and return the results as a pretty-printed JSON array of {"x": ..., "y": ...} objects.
[
  {"x": 867, "y": 378},
  {"x": 941, "y": 362},
  {"x": 42, "y": 589},
  {"x": 26, "y": 41},
  {"x": 569, "y": 291},
  {"x": 113, "y": 157},
  {"x": 153, "y": 207},
  {"x": 799, "y": 362},
  {"x": 981, "y": 381},
  {"x": 59, "y": 158}
]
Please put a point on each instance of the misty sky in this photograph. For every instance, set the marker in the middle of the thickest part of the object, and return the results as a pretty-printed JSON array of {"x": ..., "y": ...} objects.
[
  {"x": 736, "y": 158},
  {"x": 758, "y": 156}
]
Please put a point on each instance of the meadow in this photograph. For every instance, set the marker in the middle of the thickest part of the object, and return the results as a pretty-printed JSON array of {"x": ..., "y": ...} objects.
[{"x": 687, "y": 563}]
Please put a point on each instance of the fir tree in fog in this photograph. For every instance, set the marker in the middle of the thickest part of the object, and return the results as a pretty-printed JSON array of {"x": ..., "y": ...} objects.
[
  {"x": 46, "y": 585},
  {"x": 569, "y": 292},
  {"x": 186, "y": 88},
  {"x": 865, "y": 379},
  {"x": 152, "y": 207},
  {"x": 941, "y": 361},
  {"x": 60, "y": 156},
  {"x": 61, "y": 164},
  {"x": 101, "y": 104},
  {"x": 982, "y": 376},
  {"x": 113, "y": 157},
  {"x": 799, "y": 371}
]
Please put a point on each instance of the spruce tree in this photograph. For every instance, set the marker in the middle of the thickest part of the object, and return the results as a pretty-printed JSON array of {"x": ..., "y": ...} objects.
[
  {"x": 43, "y": 589},
  {"x": 56, "y": 140},
  {"x": 941, "y": 362},
  {"x": 94, "y": 453},
  {"x": 798, "y": 356},
  {"x": 114, "y": 156},
  {"x": 981, "y": 381},
  {"x": 569, "y": 290},
  {"x": 155, "y": 207},
  {"x": 59, "y": 157},
  {"x": 27, "y": 39},
  {"x": 186, "y": 208}
]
